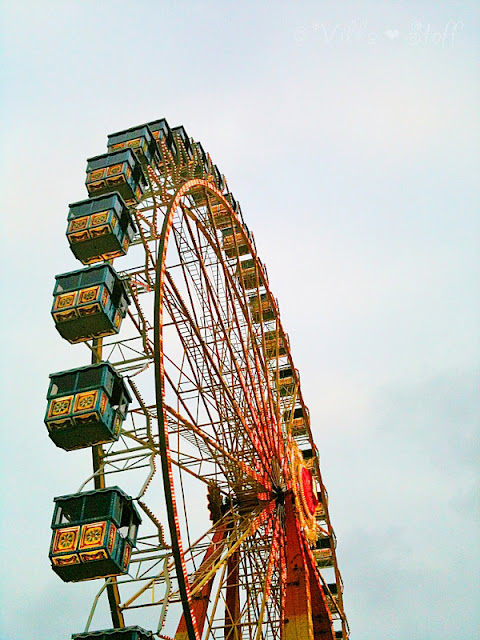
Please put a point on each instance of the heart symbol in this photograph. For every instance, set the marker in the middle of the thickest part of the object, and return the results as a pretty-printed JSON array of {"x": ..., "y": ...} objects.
[{"x": 392, "y": 33}]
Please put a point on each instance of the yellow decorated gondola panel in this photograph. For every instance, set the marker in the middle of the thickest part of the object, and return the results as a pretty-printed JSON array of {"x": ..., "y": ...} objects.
[
  {"x": 89, "y": 303},
  {"x": 220, "y": 215},
  {"x": 296, "y": 421},
  {"x": 93, "y": 534},
  {"x": 86, "y": 406},
  {"x": 100, "y": 228}
]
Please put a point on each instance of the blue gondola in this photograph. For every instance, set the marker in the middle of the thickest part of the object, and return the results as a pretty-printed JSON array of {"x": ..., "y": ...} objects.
[
  {"x": 218, "y": 178},
  {"x": 89, "y": 303},
  {"x": 204, "y": 167},
  {"x": 162, "y": 132},
  {"x": 93, "y": 534},
  {"x": 185, "y": 147},
  {"x": 86, "y": 406},
  {"x": 139, "y": 139},
  {"x": 100, "y": 228},
  {"x": 116, "y": 171}
]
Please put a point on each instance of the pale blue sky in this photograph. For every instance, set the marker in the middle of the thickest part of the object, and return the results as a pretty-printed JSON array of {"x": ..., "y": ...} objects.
[{"x": 350, "y": 135}]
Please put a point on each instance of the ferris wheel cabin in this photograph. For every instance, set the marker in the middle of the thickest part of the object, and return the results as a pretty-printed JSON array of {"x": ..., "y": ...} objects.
[
  {"x": 205, "y": 162},
  {"x": 93, "y": 534},
  {"x": 218, "y": 178},
  {"x": 127, "y": 633},
  {"x": 89, "y": 303},
  {"x": 86, "y": 406},
  {"x": 234, "y": 242},
  {"x": 285, "y": 381},
  {"x": 250, "y": 276},
  {"x": 100, "y": 228},
  {"x": 296, "y": 421},
  {"x": 139, "y": 139},
  {"x": 221, "y": 216},
  {"x": 116, "y": 171},
  {"x": 161, "y": 131},
  {"x": 184, "y": 148},
  {"x": 322, "y": 551},
  {"x": 274, "y": 345},
  {"x": 263, "y": 310}
]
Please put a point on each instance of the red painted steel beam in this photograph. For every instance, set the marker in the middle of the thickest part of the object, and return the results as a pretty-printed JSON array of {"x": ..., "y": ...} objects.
[{"x": 298, "y": 623}]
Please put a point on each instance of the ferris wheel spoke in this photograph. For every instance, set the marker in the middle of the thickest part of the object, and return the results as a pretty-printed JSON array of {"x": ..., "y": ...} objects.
[
  {"x": 219, "y": 454},
  {"x": 226, "y": 316},
  {"x": 252, "y": 386},
  {"x": 259, "y": 381},
  {"x": 239, "y": 576},
  {"x": 215, "y": 374},
  {"x": 259, "y": 606},
  {"x": 234, "y": 283},
  {"x": 240, "y": 531},
  {"x": 267, "y": 405},
  {"x": 196, "y": 384},
  {"x": 232, "y": 598},
  {"x": 260, "y": 365},
  {"x": 273, "y": 557},
  {"x": 209, "y": 400},
  {"x": 221, "y": 311},
  {"x": 180, "y": 240}
]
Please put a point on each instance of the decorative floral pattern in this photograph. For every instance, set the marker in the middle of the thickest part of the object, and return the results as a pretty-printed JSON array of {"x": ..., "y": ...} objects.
[
  {"x": 92, "y": 535},
  {"x": 60, "y": 406},
  {"x": 65, "y": 540},
  {"x": 85, "y": 401}
]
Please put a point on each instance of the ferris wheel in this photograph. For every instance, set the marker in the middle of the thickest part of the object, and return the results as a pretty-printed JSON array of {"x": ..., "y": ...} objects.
[{"x": 191, "y": 389}]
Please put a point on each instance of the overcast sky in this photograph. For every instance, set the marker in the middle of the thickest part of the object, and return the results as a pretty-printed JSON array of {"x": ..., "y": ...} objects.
[{"x": 350, "y": 135}]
